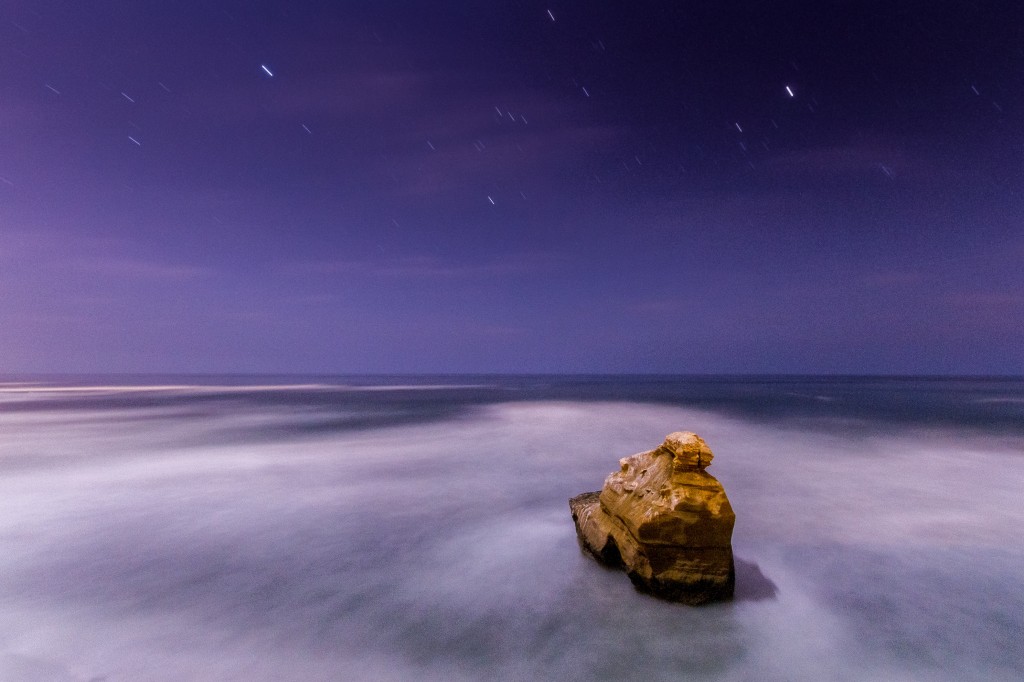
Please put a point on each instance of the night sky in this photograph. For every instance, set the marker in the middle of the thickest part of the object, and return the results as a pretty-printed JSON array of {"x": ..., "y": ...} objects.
[{"x": 385, "y": 187}]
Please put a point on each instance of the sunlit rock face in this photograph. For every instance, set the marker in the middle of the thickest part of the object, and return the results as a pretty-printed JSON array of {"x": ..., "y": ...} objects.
[{"x": 665, "y": 521}]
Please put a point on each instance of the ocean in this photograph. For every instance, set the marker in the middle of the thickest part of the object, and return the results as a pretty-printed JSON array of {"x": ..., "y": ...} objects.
[{"x": 417, "y": 528}]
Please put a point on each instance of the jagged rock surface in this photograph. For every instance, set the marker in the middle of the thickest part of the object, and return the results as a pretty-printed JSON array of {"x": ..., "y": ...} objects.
[{"x": 665, "y": 521}]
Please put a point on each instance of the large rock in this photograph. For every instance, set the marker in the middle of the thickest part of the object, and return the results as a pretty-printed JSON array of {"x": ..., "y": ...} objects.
[{"x": 665, "y": 521}]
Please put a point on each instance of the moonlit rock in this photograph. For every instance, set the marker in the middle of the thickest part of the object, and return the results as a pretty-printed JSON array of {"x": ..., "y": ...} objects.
[
  {"x": 665, "y": 521},
  {"x": 688, "y": 448}
]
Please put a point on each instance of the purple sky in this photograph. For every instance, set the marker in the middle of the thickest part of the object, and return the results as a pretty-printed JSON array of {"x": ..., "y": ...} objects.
[{"x": 511, "y": 187}]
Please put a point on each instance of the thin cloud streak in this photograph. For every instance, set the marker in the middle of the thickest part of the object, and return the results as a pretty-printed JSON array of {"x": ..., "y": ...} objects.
[
  {"x": 426, "y": 268},
  {"x": 133, "y": 268}
]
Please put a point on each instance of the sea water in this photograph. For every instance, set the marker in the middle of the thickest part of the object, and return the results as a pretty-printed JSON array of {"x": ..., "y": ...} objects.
[{"x": 397, "y": 528}]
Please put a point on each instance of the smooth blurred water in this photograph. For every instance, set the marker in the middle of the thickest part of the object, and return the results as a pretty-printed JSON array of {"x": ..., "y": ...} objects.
[{"x": 396, "y": 528}]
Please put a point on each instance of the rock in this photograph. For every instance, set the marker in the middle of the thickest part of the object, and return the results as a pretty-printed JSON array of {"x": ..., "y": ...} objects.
[{"x": 665, "y": 521}]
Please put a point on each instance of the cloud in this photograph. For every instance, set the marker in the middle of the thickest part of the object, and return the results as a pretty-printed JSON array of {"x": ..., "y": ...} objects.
[
  {"x": 500, "y": 158},
  {"x": 419, "y": 133},
  {"x": 988, "y": 300},
  {"x": 345, "y": 97},
  {"x": 134, "y": 268},
  {"x": 43, "y": 251},
  {"x": 893, "y": 279},
  {"x": 425, "y": 267},
  {"x": 661, "y": 306},
  {"x": 874, "y": 158},
  {"x": 838, "y": 160}
]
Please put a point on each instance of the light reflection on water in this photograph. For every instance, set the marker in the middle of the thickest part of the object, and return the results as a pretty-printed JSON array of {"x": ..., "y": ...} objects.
[{"x": 223, "y": 539}]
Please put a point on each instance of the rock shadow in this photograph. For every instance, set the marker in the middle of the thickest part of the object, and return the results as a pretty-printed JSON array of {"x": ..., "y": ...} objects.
[{"x": 751, "y": 583}]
